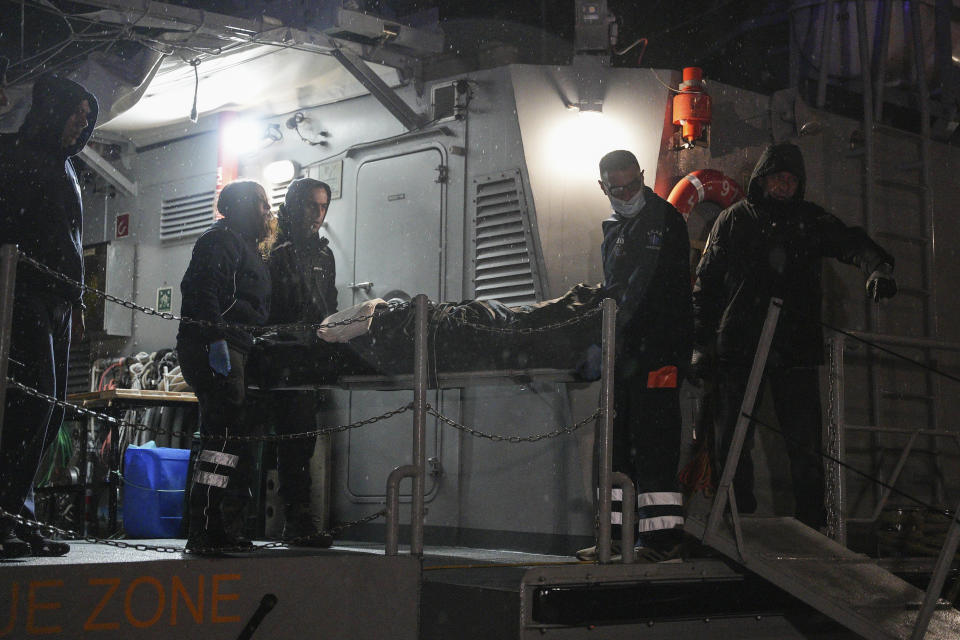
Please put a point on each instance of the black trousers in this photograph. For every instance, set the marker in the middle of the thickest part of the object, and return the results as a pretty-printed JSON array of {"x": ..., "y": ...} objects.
[
  {"x": 39, "y": 349},
  {"x": 795, "y": 393},
  {"x": 291, "y": 412},
  {"x": 217, "y": 467},
  {"x": 646, "y": 446}
]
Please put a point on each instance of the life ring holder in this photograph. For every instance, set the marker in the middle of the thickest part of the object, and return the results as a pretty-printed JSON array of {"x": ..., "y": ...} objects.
[{"x": 704, "y": 185}]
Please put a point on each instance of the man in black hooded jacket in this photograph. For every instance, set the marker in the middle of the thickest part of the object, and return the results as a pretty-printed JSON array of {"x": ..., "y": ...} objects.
[
  {"x": 303, "y": 274},
  {"x": 770, "y": 245},
  {"x": 41, "y": 211}
]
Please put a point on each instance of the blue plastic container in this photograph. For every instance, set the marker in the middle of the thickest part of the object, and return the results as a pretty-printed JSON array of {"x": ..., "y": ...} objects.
[{"x": 154, "y": 481}]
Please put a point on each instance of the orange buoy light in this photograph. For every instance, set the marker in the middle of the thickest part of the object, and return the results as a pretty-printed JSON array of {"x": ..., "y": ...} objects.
[{"x": 691, "y": 106}]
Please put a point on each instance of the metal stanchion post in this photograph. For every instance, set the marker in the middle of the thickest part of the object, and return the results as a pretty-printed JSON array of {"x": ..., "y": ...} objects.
[
  {"x": 605, "y": 433},
  {"x": 419, "y": 423},
  {"x": 8, "y": 272},
  {"x": 836, "y": 507},
  {"x": 746, "y": 408}
]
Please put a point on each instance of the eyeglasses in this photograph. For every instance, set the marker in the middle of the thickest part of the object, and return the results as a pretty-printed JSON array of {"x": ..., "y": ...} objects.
[{"x": 631, "y": 187}]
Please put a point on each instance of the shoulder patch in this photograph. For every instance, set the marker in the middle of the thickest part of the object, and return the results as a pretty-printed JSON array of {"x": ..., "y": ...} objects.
[{"x": 654, "y": 239}]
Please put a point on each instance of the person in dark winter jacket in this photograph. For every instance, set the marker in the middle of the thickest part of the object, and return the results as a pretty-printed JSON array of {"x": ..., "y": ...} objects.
[
  {"x": 646, "y": 270},
  {"x": 41, "y": 211},
  {"x": 227, "y": 288},
  {"x": 303, "y": 274},
  {"x": 770, "y": 245}
]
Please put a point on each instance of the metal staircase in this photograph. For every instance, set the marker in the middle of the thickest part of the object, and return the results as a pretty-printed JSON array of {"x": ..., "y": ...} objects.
[{"x": 847, "y": 586}]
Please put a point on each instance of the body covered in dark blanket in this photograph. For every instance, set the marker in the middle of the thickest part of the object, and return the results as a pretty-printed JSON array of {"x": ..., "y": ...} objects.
[{"x": 473, "y": 335}]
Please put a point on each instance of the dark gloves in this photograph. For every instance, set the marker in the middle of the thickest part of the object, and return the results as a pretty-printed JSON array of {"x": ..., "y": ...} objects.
[
  {"x": 881, "y": 284},
  {"x": 219, "y": 357},
  {"x": 700, "y": 367},
  {"x": 592, "y": 365}
]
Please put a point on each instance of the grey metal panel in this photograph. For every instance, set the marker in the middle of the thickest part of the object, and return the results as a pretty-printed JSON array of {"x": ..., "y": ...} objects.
[
  {"x": 121, "y": 271},
  {"x": 186, "y": 216},
  {"x": 106, "y": 592},
  {"x": 503, "y": 261},
  {"x": 398, "y": 248}
]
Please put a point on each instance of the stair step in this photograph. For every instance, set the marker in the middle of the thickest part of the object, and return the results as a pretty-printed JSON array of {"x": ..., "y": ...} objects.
[
  {"x": 847, "y": 586},
  {"x": 901, "y": 185},
  {"x": 894, "y": 235},
  {"x": 899, "y": 395}
]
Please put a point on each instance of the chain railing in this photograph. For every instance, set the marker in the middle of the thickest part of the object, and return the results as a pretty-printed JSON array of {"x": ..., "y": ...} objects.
[
  {"x": 68, "y": 534},
  {"x": 563, "y": 431},
  {"x": 166, "y": 315},
  {"x": 419, "y": 406}
]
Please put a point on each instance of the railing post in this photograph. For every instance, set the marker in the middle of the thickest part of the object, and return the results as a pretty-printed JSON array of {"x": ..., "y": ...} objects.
[
  {"x": 836, "y": 444},
  {"x": 605, "y": 435},
  {"x": 8, "y": 274},
  {"x": 743, "y": 422},
  {"x": 393, "y": 506},
  {"x": 420, "y": 373}
]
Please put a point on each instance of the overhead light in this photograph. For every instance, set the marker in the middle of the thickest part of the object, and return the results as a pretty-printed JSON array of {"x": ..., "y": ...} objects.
[
  {"x": 280, "y": 171},
  {"x": 243, "y": 136}
]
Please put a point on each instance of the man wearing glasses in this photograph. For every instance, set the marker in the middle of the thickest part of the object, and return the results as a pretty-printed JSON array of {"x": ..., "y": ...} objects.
[{"x": 646, "y": 270}]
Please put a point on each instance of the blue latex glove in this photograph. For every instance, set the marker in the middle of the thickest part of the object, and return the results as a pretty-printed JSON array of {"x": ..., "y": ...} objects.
[
  {"x": 592, "y": 365},
  {"x": 219, "y": 357}
]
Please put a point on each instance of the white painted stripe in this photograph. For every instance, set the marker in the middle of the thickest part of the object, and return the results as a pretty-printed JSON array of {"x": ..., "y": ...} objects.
[
  {"x": 695, "y": 181},
  {"x": 659, "y": 498},
  {"x": 616, "y": 517},
  {"x": 657, "y": 524},
  {"x": 219, "y": 457},
  {"x": 615, "y": 494},
  {"x": 211, "y": 479}
]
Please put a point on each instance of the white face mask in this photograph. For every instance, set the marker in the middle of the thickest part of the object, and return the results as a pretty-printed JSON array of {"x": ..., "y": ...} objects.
[{"x": 628, "y": 208}]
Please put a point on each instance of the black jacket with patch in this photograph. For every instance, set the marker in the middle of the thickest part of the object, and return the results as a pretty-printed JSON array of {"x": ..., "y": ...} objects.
[
  {"x": 40, "y": 205},
  {"x": 646, "y": 270},
  {"x": 761, "y": 248},
  {"x": 303, "y": 276},
  {"x": 227, "y": 282}
]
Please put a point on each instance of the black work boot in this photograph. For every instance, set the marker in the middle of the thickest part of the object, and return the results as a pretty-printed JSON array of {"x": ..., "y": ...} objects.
[
  {"x": 40, "y": 546},
  {"x": 299, "y": 530},
  {"x": 11, "y": 546},
  {"x": 207, "y": 534}
]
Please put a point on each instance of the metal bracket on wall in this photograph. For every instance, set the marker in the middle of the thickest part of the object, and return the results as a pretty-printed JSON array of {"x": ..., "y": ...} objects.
[
  {"x": 108, "y": 172},
  {"x": 378, "y": 88}
]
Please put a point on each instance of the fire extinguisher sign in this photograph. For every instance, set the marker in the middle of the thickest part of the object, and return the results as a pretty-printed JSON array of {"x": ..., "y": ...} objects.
[{"x": 123, "y": 225}]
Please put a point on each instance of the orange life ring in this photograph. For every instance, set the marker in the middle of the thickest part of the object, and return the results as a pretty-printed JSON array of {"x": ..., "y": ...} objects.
[{"x": 705, "y": 184}]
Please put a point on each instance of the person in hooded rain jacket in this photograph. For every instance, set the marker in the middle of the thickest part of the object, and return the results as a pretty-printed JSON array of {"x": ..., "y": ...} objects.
[
  {"x": 227, "y": 286},
  {"x": 41, "y": 211},
  {"x": 645, "y": 253},
  {"x": 771, "y": 244},
  {"x": 303, "y": 274}
]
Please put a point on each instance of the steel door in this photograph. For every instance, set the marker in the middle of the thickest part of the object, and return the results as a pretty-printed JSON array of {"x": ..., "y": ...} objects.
[{"x": 398, "y": 253}]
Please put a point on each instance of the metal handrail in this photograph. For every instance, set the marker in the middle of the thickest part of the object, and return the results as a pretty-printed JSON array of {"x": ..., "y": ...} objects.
[{"x": 8, "y": 273}]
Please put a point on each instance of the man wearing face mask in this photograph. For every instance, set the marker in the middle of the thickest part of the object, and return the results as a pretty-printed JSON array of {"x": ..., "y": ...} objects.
[
  {"x": 770, "y": 245},
  {"x": 646, "y": 270}
]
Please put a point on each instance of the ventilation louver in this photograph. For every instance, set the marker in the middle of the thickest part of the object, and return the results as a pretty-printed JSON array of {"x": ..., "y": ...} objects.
[
  {"x": 504, "y": 268},
  {"x": 186, "y": 216}
]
